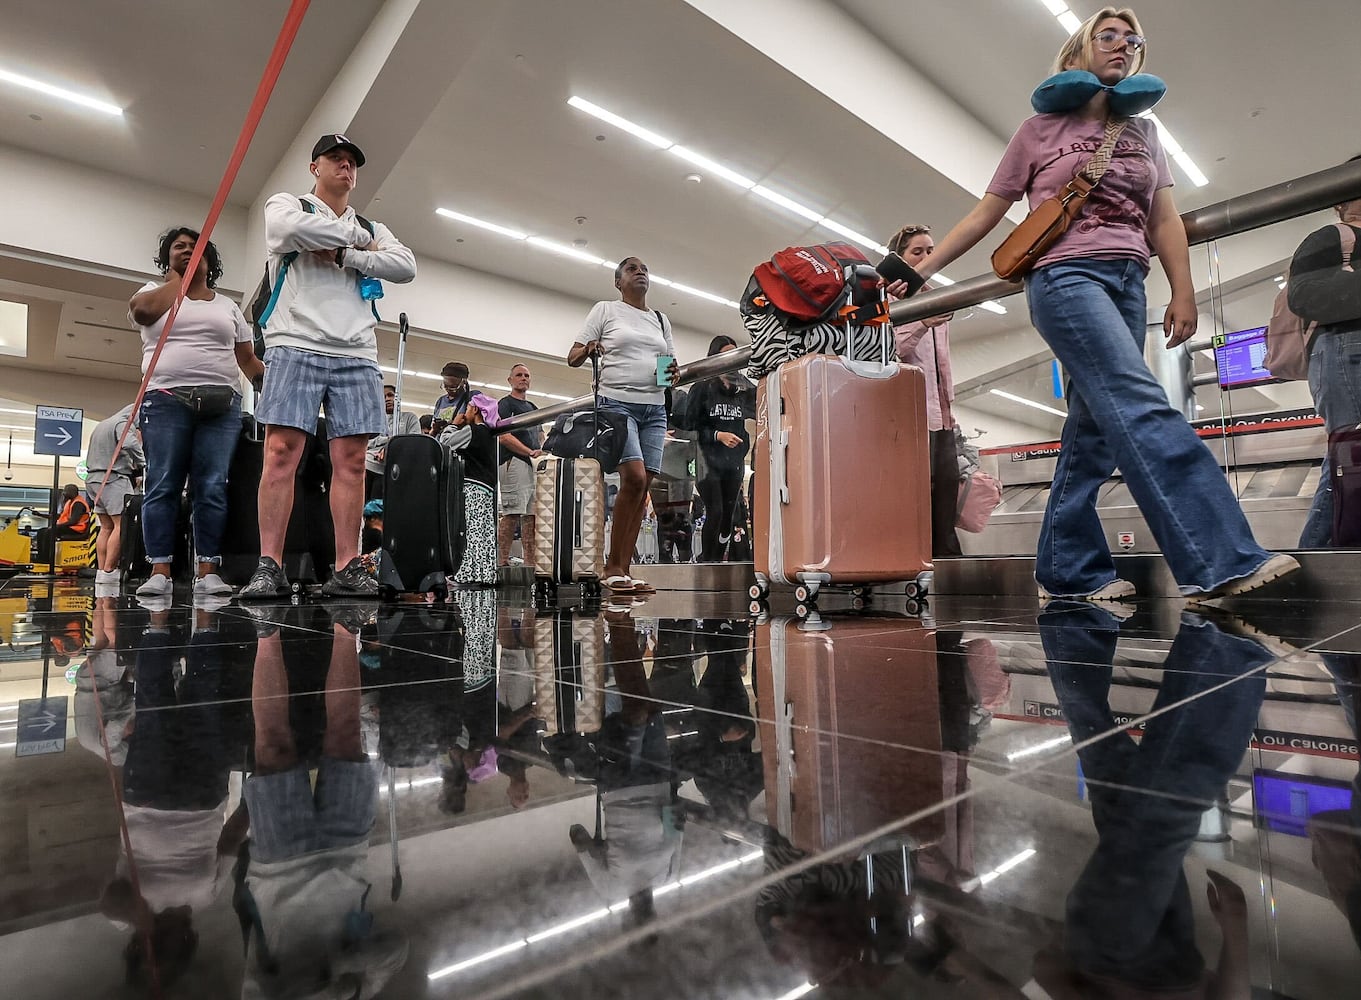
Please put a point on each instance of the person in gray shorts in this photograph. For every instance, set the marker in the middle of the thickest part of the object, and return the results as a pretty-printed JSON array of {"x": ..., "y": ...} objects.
[
  {"x": 321, "y": 353},
  {"x": 516, "y": 470},
  {"x": 107, "y": 499}
]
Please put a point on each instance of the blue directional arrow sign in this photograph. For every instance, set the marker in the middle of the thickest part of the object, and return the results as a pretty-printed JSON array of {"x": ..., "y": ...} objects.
[
  {"x": 42, "y": 726},
  {"x": 57, "y": 430}
]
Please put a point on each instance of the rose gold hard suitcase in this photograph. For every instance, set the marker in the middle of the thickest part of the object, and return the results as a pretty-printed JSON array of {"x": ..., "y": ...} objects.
[
  {"x": 850, "y": 729},
  {"x": 842, "y": 466}
]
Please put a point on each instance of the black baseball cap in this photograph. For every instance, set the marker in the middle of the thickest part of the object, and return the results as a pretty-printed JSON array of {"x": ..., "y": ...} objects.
[{"x": 337, "y": 141}]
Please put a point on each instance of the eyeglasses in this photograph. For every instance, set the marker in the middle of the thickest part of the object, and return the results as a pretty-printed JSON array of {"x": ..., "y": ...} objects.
[{"x": 1114, "y": 41}]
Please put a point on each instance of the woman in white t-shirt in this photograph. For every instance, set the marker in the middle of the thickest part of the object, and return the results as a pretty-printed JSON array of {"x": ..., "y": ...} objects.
[
  {"x": 191, "y": 416},
  {"x": 629, "y": 338}
]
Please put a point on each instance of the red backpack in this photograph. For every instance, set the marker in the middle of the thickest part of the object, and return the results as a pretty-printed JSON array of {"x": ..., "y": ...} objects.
[
  {"x": 806, "y": 285},
  {"x": 1288, "y": 336}
]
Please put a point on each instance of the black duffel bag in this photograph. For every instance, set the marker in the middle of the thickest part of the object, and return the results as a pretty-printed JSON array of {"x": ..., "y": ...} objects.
[{"x": 594, "y": 434}]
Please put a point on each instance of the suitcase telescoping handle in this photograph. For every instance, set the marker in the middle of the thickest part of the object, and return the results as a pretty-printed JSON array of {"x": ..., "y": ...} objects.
[
  {"x": 402, "y": 331},
  {"x": 860, "y": 275}
]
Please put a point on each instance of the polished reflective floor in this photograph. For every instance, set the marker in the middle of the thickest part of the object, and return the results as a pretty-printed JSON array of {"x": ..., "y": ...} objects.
[{"x": 677, "y": 798}]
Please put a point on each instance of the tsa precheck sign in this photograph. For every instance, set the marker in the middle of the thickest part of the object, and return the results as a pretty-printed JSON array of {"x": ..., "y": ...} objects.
[{"x": 57, "y": 430}]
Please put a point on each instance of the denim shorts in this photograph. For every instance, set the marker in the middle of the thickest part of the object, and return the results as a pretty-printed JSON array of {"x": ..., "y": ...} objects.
[
  {"x": 299, "y": 383},
  {"x": 646, "y": 432}
]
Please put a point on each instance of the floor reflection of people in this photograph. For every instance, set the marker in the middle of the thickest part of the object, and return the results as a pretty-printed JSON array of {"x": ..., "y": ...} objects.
[
  {"x": 639, "y": 826},
  {"x": 518, "y": 732},
  {"x": 304, "y": 898},
  {"x": 173, "y": 746},
  {"x": 1336, "y": 834},
  {"x": 1129, "y": 929},
  {"x": 721, "y": 757}
]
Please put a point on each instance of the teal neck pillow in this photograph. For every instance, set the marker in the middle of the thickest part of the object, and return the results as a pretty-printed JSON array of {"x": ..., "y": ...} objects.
[{"x": 1071, "y": 89}]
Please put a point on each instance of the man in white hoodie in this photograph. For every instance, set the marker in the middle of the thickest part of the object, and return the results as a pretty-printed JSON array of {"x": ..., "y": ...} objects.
[{"x": 321, "y": 350}]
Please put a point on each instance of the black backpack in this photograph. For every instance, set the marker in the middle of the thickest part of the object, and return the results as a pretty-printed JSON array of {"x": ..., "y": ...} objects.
[{"x": 266, "y": 295}]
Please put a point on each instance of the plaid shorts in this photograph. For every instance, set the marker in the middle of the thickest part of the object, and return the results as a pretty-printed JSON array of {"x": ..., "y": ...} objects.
[
  {"x": 289, "y": 817},
  {"x": 299, "y": 383}
]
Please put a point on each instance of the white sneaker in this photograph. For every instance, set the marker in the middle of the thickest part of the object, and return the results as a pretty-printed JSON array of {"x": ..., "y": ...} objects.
[
  {"x": 1113, "y": 591},
  {"x": 211, "y": 584},
  {"x": 157, "y": 586},
  {"x": 1277, "y": 566}
]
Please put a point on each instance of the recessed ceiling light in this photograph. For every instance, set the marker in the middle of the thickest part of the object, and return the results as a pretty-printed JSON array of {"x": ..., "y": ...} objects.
[
  {"x": 744, "y": 182},
  {"x": 19, "y": 80}
]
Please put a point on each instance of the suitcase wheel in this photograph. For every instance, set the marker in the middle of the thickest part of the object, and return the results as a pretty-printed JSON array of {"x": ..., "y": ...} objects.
[
  {"x": 758, "y": 592},
  {"x": 802, "y": 610},
  {"x": 858, "y": 604},
  {"x": 802, "y": 593},
  {"x": 914, "y": 590},
  {"x": 756, "y": 607},
  {"x": 918, "y": 607}
]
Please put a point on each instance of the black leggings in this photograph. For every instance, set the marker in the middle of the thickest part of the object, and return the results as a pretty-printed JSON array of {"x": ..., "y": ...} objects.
[{"x": 719, "y": 491}]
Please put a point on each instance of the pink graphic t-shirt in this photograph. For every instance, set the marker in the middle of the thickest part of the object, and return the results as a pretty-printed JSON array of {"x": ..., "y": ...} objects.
[{"x": 1045, "y": 153}]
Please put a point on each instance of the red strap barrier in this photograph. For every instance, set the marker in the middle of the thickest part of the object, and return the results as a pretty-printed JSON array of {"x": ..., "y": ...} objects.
[{"x": 273, "y": 68}]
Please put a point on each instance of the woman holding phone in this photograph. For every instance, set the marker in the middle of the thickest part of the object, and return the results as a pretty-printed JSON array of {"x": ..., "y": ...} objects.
[{"x": 637, "y": 363}]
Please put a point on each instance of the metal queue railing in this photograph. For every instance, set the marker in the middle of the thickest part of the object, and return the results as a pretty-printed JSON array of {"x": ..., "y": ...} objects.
[{"x": 1242, "y": 214}]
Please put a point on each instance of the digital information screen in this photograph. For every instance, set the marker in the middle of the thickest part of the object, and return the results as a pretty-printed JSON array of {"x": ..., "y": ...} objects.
[
  {"x": 1239, "y": 358},
  {"x": 1284, "y": 802}
]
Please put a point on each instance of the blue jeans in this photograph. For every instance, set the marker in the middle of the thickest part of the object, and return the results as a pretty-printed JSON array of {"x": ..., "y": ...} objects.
[
  {"x": 1093, "y": 315},
  {"x": 1335, "y": 383},
  {"x": 178, "y": 444},
  {"x": 1129, "y": 913}
]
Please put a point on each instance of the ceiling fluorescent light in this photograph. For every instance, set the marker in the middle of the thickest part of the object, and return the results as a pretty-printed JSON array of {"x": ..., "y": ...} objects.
[
  {"x": 514, "y": 234},
  {"x": 562, "y": 250},
  {"x": 1056, "y": 7},
  {"x": 66, "y": 95},
  {"x": 704, "y": 295},
  {"x": 620, "y": 123},
  {"x": 852, "y": 235},
  {"x": 1071, "y": 22},
  {"x": 789, "y": 203},
  {"x": 1189, "y": 168},
  {"x": 799, "y": 991},
  {"x": 565, "y": 251},
  {"x": 1027, "y": 402},
  {"x": 1179, "y": 155},
  {"x": 704, "y": 163}
]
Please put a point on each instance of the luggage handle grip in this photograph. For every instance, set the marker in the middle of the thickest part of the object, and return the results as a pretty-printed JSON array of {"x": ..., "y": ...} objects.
[
  {"x": 576, "y": 519},
  {"x": 783, "y": 484}
]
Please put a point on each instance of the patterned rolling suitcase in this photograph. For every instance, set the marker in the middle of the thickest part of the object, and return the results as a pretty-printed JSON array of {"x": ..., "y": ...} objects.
[
  {"x": 569, "y": 524},
  {"x": 569, "y": 672}
]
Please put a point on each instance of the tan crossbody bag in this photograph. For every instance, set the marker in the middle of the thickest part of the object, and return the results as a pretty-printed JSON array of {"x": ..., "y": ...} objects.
[{"x": 1050, "y": 219}]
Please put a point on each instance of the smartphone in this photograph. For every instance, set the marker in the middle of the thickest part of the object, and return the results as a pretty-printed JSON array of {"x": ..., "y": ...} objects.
[{"x": 663, "y": 363}]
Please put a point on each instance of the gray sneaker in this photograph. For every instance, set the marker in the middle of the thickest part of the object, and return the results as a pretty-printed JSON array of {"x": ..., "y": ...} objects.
[
  {"x": 267, "y": 583},
  {"x": 352, "y": 581}
]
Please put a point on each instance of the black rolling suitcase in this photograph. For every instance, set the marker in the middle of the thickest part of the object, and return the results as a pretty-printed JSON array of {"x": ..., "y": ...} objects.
[
  {"x": 424, "y": 524},
  {"x": 309, "y": 546},
  {"x": 1344, "y": 457},
  {"x": 132, "y": 561}
]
